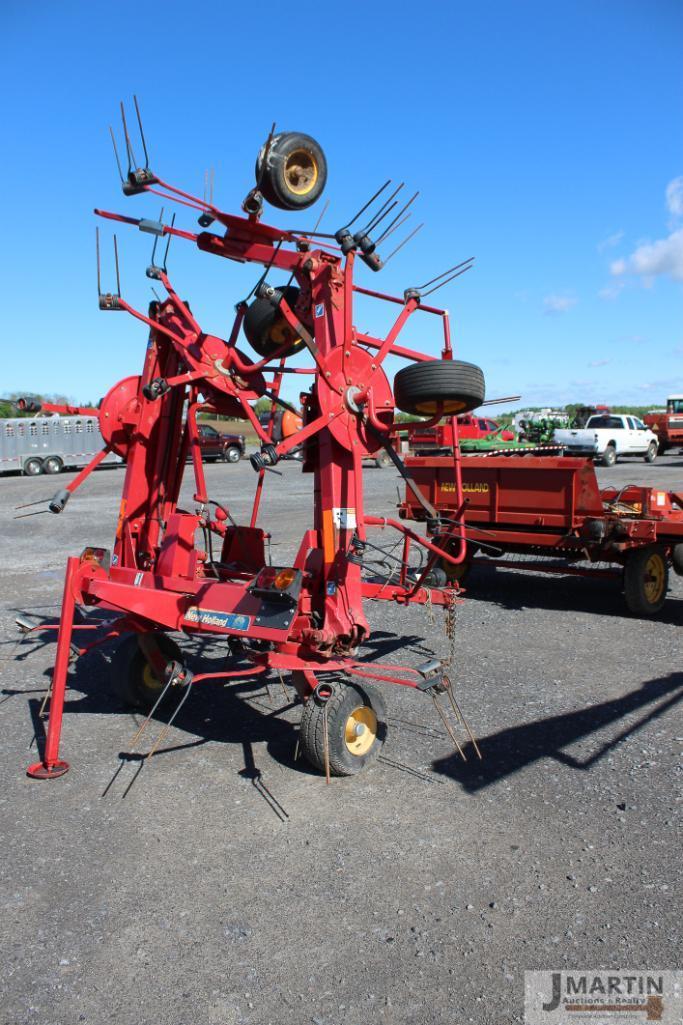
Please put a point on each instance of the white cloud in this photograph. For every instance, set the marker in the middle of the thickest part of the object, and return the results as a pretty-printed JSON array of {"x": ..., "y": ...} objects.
[
  {"x": 611, "y": 240},
  {"x": 674, "y": 197},
  {"x": 559, "y": 303},
  {"x": 599, "y": 362},
  {"x": 652, "y": 259},
  {"x": 610, "y": 292}
]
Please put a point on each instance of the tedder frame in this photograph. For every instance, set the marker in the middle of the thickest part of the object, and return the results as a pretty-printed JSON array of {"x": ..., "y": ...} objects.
[{"x": 307, "y": 618}]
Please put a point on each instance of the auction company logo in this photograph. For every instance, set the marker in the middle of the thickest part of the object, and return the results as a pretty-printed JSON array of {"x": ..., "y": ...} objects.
[{"x": 603, "y": 998}]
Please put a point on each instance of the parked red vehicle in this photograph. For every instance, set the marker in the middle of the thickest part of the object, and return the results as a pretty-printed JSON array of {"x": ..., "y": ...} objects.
[
  {"x": 668, "y": 426},
  {"x": 469, "y": 427},
  {"x": 214, "y": 445}
]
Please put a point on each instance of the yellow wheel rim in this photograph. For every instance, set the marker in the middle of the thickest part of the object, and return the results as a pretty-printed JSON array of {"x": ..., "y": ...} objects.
[
  {"x": 301, "y": 172},
  {"x": 149, "y": 678},
  {"x": 448, "y": 406},
  {"x": 655, "y": 572},
  {"x": 360, "y": 730}
]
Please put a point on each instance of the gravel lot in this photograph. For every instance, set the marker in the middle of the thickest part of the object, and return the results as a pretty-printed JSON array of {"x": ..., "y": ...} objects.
[{"x": 180, "y": 894}]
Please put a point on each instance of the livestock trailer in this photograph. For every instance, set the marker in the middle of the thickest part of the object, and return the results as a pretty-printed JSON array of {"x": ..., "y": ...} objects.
[{"x": 49, "y": 444}]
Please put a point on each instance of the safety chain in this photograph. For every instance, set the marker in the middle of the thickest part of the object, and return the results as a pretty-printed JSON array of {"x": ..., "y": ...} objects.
[{"x": 450, "y": 620}]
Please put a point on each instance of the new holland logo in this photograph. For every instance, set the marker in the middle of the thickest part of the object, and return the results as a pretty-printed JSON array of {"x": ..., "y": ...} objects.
[
  {"x": 223, "y": 620},
  {"x": 478, "y": 488}
]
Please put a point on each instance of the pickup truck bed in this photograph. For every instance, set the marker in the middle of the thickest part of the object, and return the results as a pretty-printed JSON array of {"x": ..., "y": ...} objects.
[{"x": 608, "y": 437}]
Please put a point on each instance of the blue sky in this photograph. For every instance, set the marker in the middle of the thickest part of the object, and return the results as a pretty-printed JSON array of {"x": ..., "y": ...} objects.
[{"x": 543, "y": 138}]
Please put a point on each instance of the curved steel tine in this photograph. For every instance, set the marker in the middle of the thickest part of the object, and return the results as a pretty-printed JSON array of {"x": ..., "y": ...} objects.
[
  {"x": 442, "y": 283},
  {"x": 142, "y": 134},
  {"x": 168, "y": 246},
  {"x": 382, "y": 212},
  {"x": 444, "y": 273},
  {"x": 399, "y": 214},
  {"x": 405, "y": 240},
  {"x": 390, "y": 231},
  {"x": 116, "y": 152},
  {"x": 369, "y": 203},
  {"x": 146, "y": 721},
  {"x": 129, "y": 147},
  {"x": 167, "y": 727},
  {"x": 156, "y": 238}
]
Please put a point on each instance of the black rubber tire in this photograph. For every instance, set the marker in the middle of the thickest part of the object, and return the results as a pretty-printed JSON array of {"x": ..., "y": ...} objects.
[
  {"x": 662, "y": 448},
  {"x": 127, "y": 670},
  {"x": 419, "y": 389},
  {"x": 296, "y": 171},
  {"x": 382, "y": 460},
  {"x": 651, "y": 453},
  {"x": 233, "y": 454},
  {"x": 33, "y": 467},
  {"x": 267, "y": 330},
  {"x": 609, "y": 456},
  {"x": 642, "y": 597},
  {"x": 345, "y": 699},
  {"x": 677, "y": 560},
  {"x": 53, "y": 464}
]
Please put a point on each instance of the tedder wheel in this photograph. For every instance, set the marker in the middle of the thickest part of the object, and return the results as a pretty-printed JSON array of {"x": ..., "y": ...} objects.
[
  {"x": 295, "y": 173},
  {"x": 33, "y": 467},
  {"x": 266, "y": 328},
  {"x": 356, "y": 728},
  {"x": 646, "y": 579},
  {"x": 233, "y": 454},
  {"x": 53, "y": 464},
  {"x": 422, "y": 388},
  {"x": 651, "y": 453},
  {"x": 609, "y": 456},
  {"x": 133, "y": 678}
]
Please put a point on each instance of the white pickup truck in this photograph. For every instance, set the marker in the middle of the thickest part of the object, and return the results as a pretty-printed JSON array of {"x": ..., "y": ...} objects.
[{"x": 607, "y": 436}]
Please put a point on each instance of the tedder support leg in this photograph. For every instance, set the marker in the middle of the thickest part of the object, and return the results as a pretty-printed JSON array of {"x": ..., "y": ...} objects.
[{"x": 51, "y": 767}]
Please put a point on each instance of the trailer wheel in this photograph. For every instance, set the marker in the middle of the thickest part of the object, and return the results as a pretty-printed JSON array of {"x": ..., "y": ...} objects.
[
  {"x": 651, "y": 453},
  {"x": 356, "y": 728},
  {"x": 646, "y": 579},
  {"x": 266, "y": 328},
  {"x": 677, "y": 560},
  {"x": 295, "y": 172},
  {"x": 33, "y": 467},
  {"x": 53, "y": 464},
  {"x": 132, "y": 677},
  {"x": 422, "y": 388},
  {"x": 609, "y": 456},
  {"x": 459, "y": 572}
]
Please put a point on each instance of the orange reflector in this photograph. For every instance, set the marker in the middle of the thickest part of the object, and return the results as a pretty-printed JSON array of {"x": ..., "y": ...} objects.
[{"x": 284, "y": 579}]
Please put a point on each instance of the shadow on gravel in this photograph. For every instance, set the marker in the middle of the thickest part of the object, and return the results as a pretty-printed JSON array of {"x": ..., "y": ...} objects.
[
  {"x": 554, "y": 593},
  {"x": 246, "y": 713},
  {"x": 510, "y": 750}
]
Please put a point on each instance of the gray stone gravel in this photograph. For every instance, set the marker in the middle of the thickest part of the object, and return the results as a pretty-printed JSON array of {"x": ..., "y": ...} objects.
[{"x": 392, "y": 897}]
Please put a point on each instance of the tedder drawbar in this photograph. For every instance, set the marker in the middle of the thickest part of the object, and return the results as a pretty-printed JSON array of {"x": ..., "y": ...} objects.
[{"x": 198, "y": 572}]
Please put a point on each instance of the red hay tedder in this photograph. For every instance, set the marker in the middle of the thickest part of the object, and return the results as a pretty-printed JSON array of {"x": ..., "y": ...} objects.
[{"x": 306, "y": 619}]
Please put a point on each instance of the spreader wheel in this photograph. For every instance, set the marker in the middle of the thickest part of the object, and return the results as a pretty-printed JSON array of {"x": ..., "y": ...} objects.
[
  {"x": 133, "y": 678},
  {"x": 646, "y": 580},
  {"x": 295, "y": 172},
  {"x": 266, "y": 328},
  {"x": 356, "y": 728},
  {"x": 451, "y": 385}
]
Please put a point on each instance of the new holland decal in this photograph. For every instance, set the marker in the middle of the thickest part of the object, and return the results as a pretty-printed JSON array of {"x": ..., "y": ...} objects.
[{"x": 223, "y": 620}]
